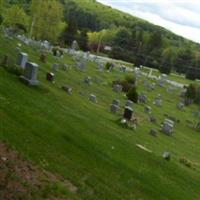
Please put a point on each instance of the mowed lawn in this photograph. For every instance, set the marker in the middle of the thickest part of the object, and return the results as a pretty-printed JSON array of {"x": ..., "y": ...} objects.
[{"x": 85, "y": 143}]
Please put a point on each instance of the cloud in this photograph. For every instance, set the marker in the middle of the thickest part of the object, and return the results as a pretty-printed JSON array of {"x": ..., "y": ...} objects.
[{"x": 179, "y": 16}]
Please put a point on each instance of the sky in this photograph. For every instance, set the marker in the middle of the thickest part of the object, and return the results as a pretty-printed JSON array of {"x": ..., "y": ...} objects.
[{"x": 180, "y": 16}]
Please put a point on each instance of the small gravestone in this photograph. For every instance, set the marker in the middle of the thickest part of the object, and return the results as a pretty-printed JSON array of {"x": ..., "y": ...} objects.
[
  {"x": 168, "y": 127},
  {"x": 30, "y": 74},
  {"x": 167, "y": 155},
  {"x": 153, "y": 132},
  {"x": 67, "y": 88},
  {"x": 117, "y": 88},
  {"x": 116, "y": 102},
  {"x": 129, "y": 103},
  {"x": 142, "y": 98},
  {"x": 50, "y": 77},
  {"x": 43, "y": 57},
  {"x": 100, "y": 67},
  {"x": 55, "y": 67},
  {"x": 114, "y": 108},
  {"x": 93, "y": 98},
  {"x": 122, "y": 68},
  {"x": 22, "y": 59},
  {"x": 88, "y": 80},
  {"x": 128, "y": 112},
  {"x": 147, "y": 109},
  {"x": 180, "y": 106},
  {"x": 158, "y": 102},
  {"x": 152, "y": 119},
  {"x": 81, "y": 66}
]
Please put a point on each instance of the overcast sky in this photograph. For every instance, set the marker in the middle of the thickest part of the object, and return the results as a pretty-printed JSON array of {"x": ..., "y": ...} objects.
[{"x": 179, "y": 16}]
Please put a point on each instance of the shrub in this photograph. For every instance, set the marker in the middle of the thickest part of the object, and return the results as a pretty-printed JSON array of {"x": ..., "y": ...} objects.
[
  {"x": 130, "y": 79},
  {"x": 108, "y": 65},
  {"x": 132, "y": 94}
]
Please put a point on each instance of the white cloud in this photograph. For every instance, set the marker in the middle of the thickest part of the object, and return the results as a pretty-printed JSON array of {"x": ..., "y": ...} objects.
[{"x": 180, "y": 16}]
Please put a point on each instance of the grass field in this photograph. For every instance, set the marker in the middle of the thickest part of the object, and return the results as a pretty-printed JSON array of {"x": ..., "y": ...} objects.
[{"x": 85, "y": 143}]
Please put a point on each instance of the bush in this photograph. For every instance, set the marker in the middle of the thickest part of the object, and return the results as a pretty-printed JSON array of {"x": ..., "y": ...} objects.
[
  {"x": 132, "y": 94},
  {"x": 108, "y": 65},
  {"x": 130, "y": 79}
]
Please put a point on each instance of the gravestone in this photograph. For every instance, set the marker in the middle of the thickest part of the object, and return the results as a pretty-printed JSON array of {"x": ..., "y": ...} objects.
[
  {"x": 168, "y": 127},
  {"x": 167, "y": 155},
  {"x": 93, "y": 98},
  {"x": 129, "y": 103},
  {"x": 67, "y": 88},
  {"x": 117, "y": 88},
  {"x": 147, "y": 109},
  {"x": 114, "y": 108},
  {"x": 55, "y": 67},
  {"x": 50, "y": 77},
  {"x": 128, "y": 112},
  {"x": 88, "y": 80},
  {"x": 158, "y": 102},
  {"x": 122, "y": 68},
  {"x": 152, "y": 119},
  {"x": 153, "y": 132},
  {"x": 22, "y": 59},
  {"x": 180, "y": 106},
  {"x": 65, "y": 67},
  {"x": 163, "y": 80},
  {"x": 142, "y": 98},
  {"x": 30, "y": 74},
  {"x": 5, "y": 61},
  {"x": 81, "y": 65},
  {"x": 116, "y": 102}
]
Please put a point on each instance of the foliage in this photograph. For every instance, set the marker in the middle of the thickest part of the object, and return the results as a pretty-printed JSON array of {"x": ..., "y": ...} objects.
[
  {"x": 46, "y": 19},
  {"x": 193, "y": 92},
  {"x": 16, "y": 17},
  {"x": 132, "y": 94}
]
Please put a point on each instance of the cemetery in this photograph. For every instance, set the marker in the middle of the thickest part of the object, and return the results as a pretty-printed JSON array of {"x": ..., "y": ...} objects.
[{"x": 59, "y": 131}]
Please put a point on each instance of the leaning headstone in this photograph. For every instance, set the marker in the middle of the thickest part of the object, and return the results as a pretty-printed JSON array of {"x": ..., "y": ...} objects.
[
  {"x": 167, "y": 155},
  {"x": 22, "y": 59},
  {"x": 129, "y": 103},
  {"x": 152, "y": 119},
  {"x": 67, "y": 88},
  {"x": 93, "y": 98},
  {"x": 30, "y": 74},
  {"x": 50, "y": 77},
  {"x": 117, "y": 88},
  {"x": 128, "y": 112},
  {"x": 114, "y": 108}
]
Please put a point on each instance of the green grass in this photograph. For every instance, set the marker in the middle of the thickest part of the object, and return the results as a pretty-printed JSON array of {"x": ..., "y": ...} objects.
[{"x": 72, "y": 137}]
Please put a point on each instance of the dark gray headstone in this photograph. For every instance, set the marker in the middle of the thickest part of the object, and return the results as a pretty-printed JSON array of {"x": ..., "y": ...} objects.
[{"x": 128, "y": 112}]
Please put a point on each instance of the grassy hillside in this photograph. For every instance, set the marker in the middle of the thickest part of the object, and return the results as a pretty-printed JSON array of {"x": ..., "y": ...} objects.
[{"x": 84, "y": 143}]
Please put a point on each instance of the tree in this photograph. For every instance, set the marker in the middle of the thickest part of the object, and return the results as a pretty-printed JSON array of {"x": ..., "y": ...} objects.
[
  {"x": 83, "y": 40},
  {"x": 46, "y": 19},
  {"x": 132, "y": 94},
  {"x": 16, "y": 17}
]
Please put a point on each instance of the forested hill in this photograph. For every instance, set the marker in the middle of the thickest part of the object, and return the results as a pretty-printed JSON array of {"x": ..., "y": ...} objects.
[{"x": 95, "y": 26}]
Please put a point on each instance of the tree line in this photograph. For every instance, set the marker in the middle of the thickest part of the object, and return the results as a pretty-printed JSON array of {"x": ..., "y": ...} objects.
[{"x": 96, "y": 26}]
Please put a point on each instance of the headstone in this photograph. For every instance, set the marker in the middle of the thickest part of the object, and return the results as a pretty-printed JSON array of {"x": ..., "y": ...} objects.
[
  {"x": 152, "y": 119},
  {"x": 147, "y": 109},
  {"x": 167, "y": 155},
  {"x": 93, "y": 98},
  {"x": 180, "y": 106},
  {"x": 81, "y": 65},
  {"x": 168, "y": 127},
  {"x": 30, "y": 74},
  {"x": 5, "y": 61},
  {"x": 65, "y": 67},
  {"x": 153, "y": 132},
  {"x": 88, "y": 80},
  {"x": 117, "y": 88},
  {"x": 116, "y": 102},
  {"x": 22, "y": 59},
  {"x": 128, "y": 112},
  {"x": 67, "y": 88},
  {"x": 142, "y": 98},
  {"x": 50, "y": 77},
  {"x": 158, "y": 102},
  {"x": 122, "y": 68},
  {"x": 55, "y": 67},
  {"x": 114, "y": 108},
  {"x": 129, "y": 103}
]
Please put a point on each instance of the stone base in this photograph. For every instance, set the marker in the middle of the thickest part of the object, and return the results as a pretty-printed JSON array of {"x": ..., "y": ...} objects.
[{"x": 28, "y": 81}]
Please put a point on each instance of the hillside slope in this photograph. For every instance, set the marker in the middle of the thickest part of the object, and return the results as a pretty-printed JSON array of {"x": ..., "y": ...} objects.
[{"x": 86, "y": 144}]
